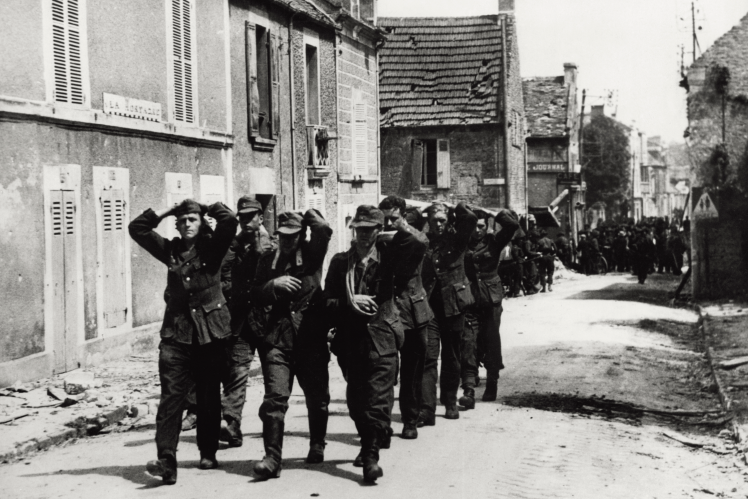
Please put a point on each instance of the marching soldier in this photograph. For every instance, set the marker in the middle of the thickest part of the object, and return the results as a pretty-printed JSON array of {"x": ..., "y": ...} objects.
[
  {"x": 546, "y": 263},
  {"x": 294, "y": 339},
  {"x": 485, "y": 250},
  {"x": 415, "y": 315},
  {"x": 362, "y": 289},
  {"x": 449, "y": 297},
  {"x": 196, "y": 325},
  {"x": 246, "y": 249}
]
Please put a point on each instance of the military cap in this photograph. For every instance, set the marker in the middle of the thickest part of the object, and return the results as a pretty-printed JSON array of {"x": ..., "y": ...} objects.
[
  {"x": 190, "y": 206},
  {"x": 247, "y": 205},
  {"x": 368, "y": 216},
  {"x": 289, "y": 222}
]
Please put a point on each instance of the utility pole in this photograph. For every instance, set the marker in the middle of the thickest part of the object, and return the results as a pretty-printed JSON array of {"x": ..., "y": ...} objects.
[
  {"x": 693, "y": 31},
  {"x": 578, "y": 198}
]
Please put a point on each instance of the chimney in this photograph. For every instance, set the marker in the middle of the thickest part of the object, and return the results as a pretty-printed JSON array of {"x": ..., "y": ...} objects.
[
  {"x": 506, "y": 7},
  {"x": 598, "y": 110},
  {"x": 570, "y": 73}
]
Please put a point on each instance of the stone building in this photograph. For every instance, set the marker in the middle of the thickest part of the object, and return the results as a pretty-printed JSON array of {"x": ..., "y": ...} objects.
[
  {"x": 554, "y": 185},
  {"x": 358, "y": 101},
  {"x": 108, "y": 108},
  {"x": 451, "y": 110},
  {"x": 717, "y": 85}
]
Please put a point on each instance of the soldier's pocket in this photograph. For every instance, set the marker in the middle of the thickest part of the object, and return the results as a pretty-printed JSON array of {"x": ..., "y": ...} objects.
[
  {"x": 495, "y": 291},
  {"x": 387, "y": 335},
  {"x": 218, "y": 318},
  {"x": 422, "y": 313},
  {"x": 463, "y": 297}
]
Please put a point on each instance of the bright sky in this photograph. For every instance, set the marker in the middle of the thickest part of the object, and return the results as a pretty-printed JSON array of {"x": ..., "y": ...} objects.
[{"x": 631, "y": 46}]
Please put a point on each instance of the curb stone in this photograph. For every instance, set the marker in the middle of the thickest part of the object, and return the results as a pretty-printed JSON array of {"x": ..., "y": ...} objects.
[{"x": 738, "y": 434}]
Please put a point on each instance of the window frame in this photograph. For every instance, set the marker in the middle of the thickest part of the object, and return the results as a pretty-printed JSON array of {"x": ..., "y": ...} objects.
[{"x": 311, "y": 39}]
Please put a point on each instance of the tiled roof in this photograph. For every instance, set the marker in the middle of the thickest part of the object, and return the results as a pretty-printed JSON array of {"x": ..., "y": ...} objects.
[
  {"x": 731, "y": 51},
  {"x": 545, "y": 106},
  {"x": 440, "y": 71},
  {"x": 307, "y": 8}
]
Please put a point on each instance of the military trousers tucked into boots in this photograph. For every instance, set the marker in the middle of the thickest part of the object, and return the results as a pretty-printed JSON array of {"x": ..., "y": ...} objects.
[
  {"x": 309, "y": 364},
  {"x": 445, "y": 334},
  {"x": 371, "y": 378},
  {"x": 488, "y": 321},
  {"x": 182, "y": 367},
  {"x": 469, "y": 351}
]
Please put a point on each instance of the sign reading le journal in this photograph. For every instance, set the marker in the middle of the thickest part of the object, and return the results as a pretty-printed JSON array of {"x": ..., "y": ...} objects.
[
  {"x": 132, "y": 108},
  {"x": 546, "y": 167}
]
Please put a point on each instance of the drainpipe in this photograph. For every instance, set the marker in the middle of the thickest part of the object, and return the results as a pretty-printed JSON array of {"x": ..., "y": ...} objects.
[
  {"x": 505, "y": 126},
  {"x": 293, "y": 111}
]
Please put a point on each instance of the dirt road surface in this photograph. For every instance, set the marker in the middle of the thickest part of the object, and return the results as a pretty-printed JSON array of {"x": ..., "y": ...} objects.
[{"x": 599, "y": 373}]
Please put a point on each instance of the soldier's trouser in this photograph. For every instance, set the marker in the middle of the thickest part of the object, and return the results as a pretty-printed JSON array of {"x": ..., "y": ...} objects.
[
  {"x": 412, "y": 359},
  {"x": 546, "y": 266},
  {"x": 641, "y": 268},
  {"x": 309, "y": 365},
  {"x": 447, "y": 333},
  {"x": 489, "y": 334},
  {"x": 371, "y": 378},
  {"x": 469, "y": 350},
  {"x": 239, "y": 356},
  {"x": 180, "y": 368}
]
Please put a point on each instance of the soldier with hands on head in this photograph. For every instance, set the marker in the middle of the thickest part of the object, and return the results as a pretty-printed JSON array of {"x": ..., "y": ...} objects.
[
  {"x": 195, "y": 328},
  {"x": 449, "y": 294},
  {"x": 293, "y": 339}
]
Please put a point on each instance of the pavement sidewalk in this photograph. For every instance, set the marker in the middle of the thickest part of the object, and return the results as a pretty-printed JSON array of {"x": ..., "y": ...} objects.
[
  {"x": 113, "y": 397},
  {"x": 725, "y": 329}
]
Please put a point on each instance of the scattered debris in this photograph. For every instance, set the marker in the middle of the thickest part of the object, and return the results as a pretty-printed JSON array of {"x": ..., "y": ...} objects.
[
  {"x": 682, "y": 439},
  {"x": 732, "y": 363},
  {"x": 13, "y": 417},
  {"x": 79, "y": 381}
]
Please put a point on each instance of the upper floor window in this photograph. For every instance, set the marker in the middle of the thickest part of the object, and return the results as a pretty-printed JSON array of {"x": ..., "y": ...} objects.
[
  {"x": 68, "y": 36},
  {"x": 181, "y": 60},
  {"x": 644, "y": 174},
  {"x": 263, "y": 84},
  {"x": 311, "y": 76},
  {"x": 432, "y": 157}
]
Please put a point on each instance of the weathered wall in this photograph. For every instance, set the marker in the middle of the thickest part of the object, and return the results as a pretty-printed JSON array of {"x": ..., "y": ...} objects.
[
  {"x": 516, "y": 181},
  {"x": 328, "y": 106},
  {"x": 473, "y": 157},
  {"x": 21, "y": 50},
  {"x": 28, "y": 147},
  {"x": 719, "y": 247}
]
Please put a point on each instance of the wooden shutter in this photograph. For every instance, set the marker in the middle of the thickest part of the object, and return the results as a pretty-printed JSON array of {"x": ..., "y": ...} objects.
[
  {"x": 274, "y": 87},
  {"x": 183, "y": 66},
  {"x": 253, "y": 93},
  {"x": 417, "y": 165},
  {"x": 316, "y": 201},
  {"x": 360, "y": 134},
  {"x": 66, "y": 50},
  {"x": 58, "y": 279},
  {"x": 442, "y": 164},
  {"x": 113, "y": 257}
]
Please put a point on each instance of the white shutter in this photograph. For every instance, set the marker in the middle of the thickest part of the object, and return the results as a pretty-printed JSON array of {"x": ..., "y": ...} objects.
[
  {"x": 181, "y": 56},
  {"x": 178, "y": 188},
  {"x": 67, "y": 52},
  {"x": 360, "y": 134},
  {"x": 443, "y": 180}
]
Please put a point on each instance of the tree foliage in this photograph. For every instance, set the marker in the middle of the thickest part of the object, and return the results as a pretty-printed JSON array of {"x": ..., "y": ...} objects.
[{"x": 606, "y": 160}]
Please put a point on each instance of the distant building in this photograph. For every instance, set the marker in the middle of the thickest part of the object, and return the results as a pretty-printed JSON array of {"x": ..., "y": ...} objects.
[
  {"x": 451, "y": 110},
  {"x": 553, "y": 170},
  {"x": 717, "y": 85}
]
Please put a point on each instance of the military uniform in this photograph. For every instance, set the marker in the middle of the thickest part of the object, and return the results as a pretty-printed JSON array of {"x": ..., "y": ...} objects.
[
  {"x": 546, "y": 263},
  {"x": 449, "y": 294},
  {"x": 370, "y": 343},
  {"x": 488, "y": 292},
  {"x": 195, "y": 327},
  {"x": 292, "y": 337}
]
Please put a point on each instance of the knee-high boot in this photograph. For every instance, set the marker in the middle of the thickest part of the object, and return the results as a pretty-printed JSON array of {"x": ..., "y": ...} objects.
[{"x": 272, "y": 436}]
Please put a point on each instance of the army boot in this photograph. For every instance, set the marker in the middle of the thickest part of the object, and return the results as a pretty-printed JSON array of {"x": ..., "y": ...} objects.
[
  {"x": 468, "y": 398},
  {"x": 492, "y": 386},
  {"x": 272, "y": 436},
  {"x": 452, "y": 412},
  {"x": 165, "y": 467},
  {"x": 370, "y": 458},
  {"x": 317, "y": 434}
]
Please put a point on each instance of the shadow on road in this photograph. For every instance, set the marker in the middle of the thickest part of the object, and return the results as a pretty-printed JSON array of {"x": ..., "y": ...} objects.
[{"x": 656, "y": 291}]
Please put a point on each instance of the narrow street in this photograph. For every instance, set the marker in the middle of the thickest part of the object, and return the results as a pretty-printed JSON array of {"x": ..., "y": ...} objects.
[{"x": 597, "y": 372}]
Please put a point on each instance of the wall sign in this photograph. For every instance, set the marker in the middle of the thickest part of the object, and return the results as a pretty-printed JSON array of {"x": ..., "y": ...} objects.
[
  {"x": 546, "y": 167},
  {"x": 569, "y": 178},
  {"x": 131, "y": 108},
  {"x": 493, "y": 181}
]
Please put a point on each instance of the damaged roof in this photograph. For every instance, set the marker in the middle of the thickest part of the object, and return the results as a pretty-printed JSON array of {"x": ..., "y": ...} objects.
[
  {"x": 730, "y": 51},
  {"x": 307, "y": 8},
  {"x": 546, "y": 103},
  {"x": 440, "y": 71}
]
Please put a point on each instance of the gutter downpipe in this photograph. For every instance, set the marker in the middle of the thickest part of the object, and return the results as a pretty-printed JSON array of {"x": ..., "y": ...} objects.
[
  {"x": 505, "y": 126},
  {"x": 293, "y": 110}
]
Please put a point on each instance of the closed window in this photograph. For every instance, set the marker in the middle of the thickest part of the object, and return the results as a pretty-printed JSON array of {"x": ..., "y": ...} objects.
[
  {"x": 360, "y": 134},
  {"x": 68, "y": 52},
  {"x": 311, "y": 77},
  {"x": 182, "y": 67}
]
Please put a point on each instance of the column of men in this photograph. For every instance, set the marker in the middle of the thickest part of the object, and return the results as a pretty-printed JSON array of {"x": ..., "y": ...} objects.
[{"x": 396, "y": 299}]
